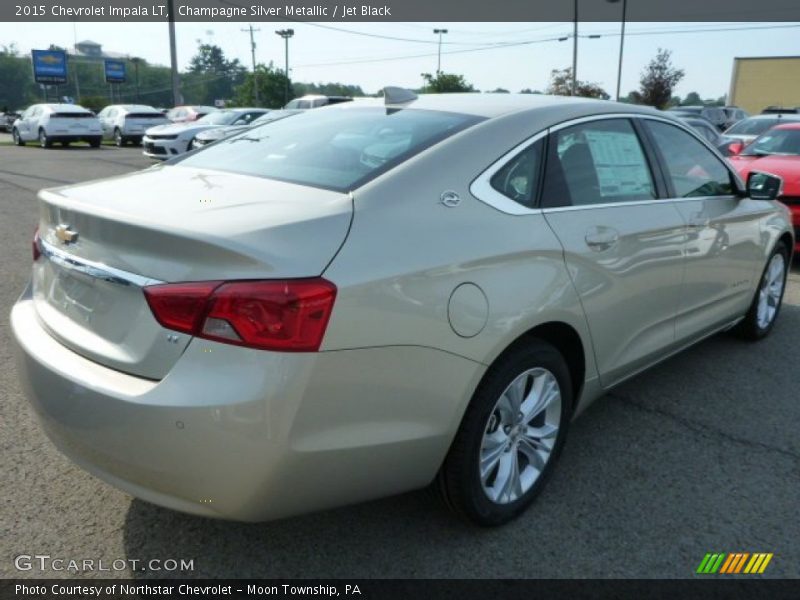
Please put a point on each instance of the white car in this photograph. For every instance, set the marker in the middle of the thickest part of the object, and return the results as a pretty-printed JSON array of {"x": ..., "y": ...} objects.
[
  {"x": 127, "y": 122},
  {"x": 165, "y": 141},
  {"x": 51, "y": 123}
]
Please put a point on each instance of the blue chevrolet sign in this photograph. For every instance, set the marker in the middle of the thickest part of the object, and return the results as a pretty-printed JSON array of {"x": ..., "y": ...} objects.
[
  {"x": 49, "y": 66},
  {"x": 115, "y": 71}
]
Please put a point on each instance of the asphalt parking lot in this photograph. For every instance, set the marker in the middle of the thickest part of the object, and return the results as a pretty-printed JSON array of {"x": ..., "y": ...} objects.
[{"x": 700, "y": 454}]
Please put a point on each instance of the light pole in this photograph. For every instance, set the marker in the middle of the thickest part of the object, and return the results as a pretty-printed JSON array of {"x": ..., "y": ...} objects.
[
  {"x": 621, "y": 43},
  {"x": 439, "y": 32},
  {"x": 173, "y": 57},
  {"x": 286, "y": 34}
]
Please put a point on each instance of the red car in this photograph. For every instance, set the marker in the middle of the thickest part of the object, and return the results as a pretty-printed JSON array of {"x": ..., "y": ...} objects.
[{"x": 778, "y": 152}]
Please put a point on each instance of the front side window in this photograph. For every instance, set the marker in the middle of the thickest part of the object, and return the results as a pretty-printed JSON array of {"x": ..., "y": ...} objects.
[
  {"x": 597, "y": 162},
  {"x": 518, "y": 178},
  {"x": 692, "y": 168},
  {"x": 332, "y": 149}
]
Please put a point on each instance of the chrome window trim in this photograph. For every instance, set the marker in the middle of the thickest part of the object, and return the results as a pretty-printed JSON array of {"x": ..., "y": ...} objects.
[
  {"x": 93, "y": 269},
  {"x": 481, "y": 188}
]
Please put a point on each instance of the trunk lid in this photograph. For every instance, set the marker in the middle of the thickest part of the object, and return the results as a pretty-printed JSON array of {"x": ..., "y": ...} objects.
[
  {"x": 140, "y": 122},
  {"x": 73, "y": 123},
  {"x": 169, "y": 224}
]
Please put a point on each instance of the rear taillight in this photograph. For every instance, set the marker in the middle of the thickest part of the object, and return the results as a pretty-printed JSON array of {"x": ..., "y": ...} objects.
[
  {"x": 37, "y": 252},
  {"x": 284, "y": 315}
]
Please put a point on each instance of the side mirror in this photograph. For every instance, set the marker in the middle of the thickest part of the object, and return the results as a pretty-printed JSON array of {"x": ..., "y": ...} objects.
[
  {"x": 764, "y": 186},
  {"x": 732, "y": 148}
]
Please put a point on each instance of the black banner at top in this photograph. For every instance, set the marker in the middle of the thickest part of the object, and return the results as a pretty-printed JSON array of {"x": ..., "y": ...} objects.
[{"x": 399, "y": 10}]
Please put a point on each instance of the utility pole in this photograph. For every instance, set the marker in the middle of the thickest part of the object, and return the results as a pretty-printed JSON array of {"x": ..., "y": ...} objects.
[
  {"x": 253, "y": 55},
  {"x": 136, "y": 60},
  {"x": 75, "y": 67},
  {"x": 575, "y": 51},
  {"x": 173, "y": 54},
  {"x": 439, "y": 59},
  {"x": 621, "y": 43},
  {"x": 286, "y": 34}
]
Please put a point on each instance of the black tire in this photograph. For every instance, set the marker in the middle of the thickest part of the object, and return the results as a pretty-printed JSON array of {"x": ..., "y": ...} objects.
[
  {"x": 458, "y": 481},
  {"x": 750, "y": 328},
  {"x": 65, "y": 143},
  {"x": 15, "y": 135},
  {"x": 95, "y": 142},
  {"x": 119, "y": 139},
  {"x": 44, "y": 141}
]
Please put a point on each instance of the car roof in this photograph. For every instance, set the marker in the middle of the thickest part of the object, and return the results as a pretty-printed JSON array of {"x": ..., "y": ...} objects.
[
  {"x": 65, "y": 108},
  {"x": 133, "y": 107},
  {"x": 779, "y": 116},
  {"x": 496, "y": 105}
]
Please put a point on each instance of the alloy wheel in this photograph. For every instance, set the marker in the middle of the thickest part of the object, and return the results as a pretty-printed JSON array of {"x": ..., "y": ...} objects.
[
  {"x": 520, "y": 436},
  {"x": 771, "y": 291}
]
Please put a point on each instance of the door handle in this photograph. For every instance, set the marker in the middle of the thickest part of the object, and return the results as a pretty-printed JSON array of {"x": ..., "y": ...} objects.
[{"x": 601, "y": 238}]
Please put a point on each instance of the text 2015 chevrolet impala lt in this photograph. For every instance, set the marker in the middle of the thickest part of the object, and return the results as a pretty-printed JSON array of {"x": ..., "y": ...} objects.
[{"x": 367, "y": 298}]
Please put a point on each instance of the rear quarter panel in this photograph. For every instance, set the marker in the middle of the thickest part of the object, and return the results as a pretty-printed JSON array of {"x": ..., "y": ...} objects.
[{"x": 406, "y": 253}]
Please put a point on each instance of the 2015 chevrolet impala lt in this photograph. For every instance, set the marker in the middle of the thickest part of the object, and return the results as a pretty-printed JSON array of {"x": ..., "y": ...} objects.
[{"x": 376, "y": 296}]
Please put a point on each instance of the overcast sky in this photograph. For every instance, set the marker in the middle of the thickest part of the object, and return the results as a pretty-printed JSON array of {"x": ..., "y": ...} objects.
[{"x": 319, "y": 53}]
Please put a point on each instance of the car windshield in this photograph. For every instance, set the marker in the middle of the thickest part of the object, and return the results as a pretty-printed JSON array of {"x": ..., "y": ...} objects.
[
  {"x": 777, "y": 141},
  {"x": 331, "y": 149},
  {"x": 220, "y": 117},
  {"x": 752, "y": 126}
]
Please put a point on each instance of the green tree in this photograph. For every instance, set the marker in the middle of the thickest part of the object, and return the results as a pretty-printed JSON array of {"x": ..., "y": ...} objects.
[
  {"x": 691, "y": 99},
  {"x": 211, "y": 75},
  {"x": 328, "y": 89},
  {"x": 271, "y": 87},
  {"x": 499, "y": 91},
  {"x": 17, "y": 90},
  {"x": 445, "y": 83},
  {"x": 658, "y": 80},
  {"x": 561, "y": 85}
]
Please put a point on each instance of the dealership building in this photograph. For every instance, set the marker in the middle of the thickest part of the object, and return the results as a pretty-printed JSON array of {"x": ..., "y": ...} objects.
[{"x": 761, "y": 81}]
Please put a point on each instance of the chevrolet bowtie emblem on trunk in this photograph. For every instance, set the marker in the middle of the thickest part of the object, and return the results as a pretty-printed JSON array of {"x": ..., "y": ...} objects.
[{"x": 65, "y": 234}]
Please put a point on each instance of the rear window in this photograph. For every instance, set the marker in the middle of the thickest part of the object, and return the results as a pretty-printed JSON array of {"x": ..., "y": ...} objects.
[
  {"x": 144, "y": 115},
  {"x": 71, "y": 115},
  {"x": 753, "y": 126},
  {"x": 331, "y": 149}
]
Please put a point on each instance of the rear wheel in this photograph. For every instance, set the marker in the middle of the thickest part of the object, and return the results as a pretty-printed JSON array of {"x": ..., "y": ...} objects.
[
  {"x": 17, "y": 139},
  {"x": 119, "y": 140},
  {"x": 768, "y": 299},
  {"x": 510, "y": 437},
  {"x": 44, "y": 141}
]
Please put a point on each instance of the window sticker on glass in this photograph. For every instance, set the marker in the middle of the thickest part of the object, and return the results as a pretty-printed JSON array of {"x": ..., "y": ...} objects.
[{"x": 620, "y": 163}]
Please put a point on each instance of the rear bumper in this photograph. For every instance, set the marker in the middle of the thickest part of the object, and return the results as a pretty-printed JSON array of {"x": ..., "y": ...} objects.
[
  {"x": 250, "y": 435},
  {"x": 83, "y": 137}
]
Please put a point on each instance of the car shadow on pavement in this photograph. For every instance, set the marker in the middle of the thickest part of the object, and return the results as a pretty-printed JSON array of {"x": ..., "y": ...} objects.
[{"x": 655, "y": 471}]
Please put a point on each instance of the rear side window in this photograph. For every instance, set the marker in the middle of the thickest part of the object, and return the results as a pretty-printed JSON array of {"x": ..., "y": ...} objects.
[
  {"x": 596, "y": 163},
  {"x": 693, "y": 169},
  {"x": 332, "y": 149},
  {"x": 518, "y": 178}
]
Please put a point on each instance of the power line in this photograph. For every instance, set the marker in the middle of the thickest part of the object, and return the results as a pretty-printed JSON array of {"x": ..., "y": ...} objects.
[{"x": 496, "y": 46}]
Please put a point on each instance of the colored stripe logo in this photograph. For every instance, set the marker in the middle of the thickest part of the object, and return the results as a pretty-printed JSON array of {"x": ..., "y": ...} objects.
[{"x": 734, "y": 563}]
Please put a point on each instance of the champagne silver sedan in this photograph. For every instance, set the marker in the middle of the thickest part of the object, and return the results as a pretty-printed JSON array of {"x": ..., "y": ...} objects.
[{"x": 378, "y": 296}]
